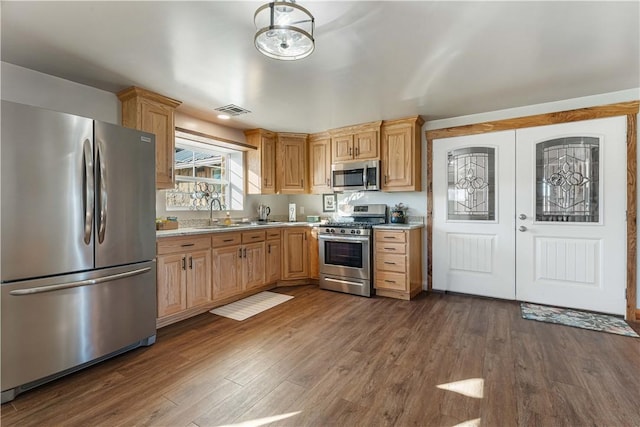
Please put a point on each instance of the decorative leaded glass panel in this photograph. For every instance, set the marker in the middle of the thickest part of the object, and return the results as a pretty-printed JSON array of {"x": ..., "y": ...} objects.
[
  {"x": 567, "y": 180},
  {"x": 471, "y": 186}
]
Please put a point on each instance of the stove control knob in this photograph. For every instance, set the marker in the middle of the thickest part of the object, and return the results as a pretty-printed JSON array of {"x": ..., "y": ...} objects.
[
  {"x": 342, "y": 231},
  {"x": 358, "y": 232},
  {"x": 332, "y": 230},
  {"x": 353, "y": 231},
  {"x": 327, "y": 230}
]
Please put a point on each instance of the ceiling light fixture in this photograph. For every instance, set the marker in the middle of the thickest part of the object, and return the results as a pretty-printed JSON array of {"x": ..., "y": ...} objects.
[
  {"x": 284, "y": 30},
  {"x": 224, "y": 116}
]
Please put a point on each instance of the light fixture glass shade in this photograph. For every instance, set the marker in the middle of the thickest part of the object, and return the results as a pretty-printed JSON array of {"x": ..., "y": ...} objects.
[{"x": 284, "y": 30}]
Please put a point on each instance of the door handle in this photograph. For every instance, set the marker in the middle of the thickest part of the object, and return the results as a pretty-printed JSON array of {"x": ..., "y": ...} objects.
[
  {"x": 190, "y": 263},
  {"x": 184, "y": 263},
  {"x": 88, "y": 282},
  {"x": 522, "y": 216},
  {"x": 102, "y": 191},
  {"x": 522, "y": 228},
  {"x": 88, "y": 193}
]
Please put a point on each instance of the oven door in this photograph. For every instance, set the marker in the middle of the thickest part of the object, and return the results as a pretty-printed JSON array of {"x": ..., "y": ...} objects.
[{"x": 345, "y": 256}]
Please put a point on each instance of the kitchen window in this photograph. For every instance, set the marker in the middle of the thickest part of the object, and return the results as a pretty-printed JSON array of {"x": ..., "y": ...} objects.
[{"x": 206, "y": 173}]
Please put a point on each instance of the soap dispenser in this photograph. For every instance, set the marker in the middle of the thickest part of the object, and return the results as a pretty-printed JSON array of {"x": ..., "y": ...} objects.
[{"x": 227, "y": 220}]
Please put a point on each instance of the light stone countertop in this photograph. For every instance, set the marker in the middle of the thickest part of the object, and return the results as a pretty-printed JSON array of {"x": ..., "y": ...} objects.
[{"x": 193, "y": 231}]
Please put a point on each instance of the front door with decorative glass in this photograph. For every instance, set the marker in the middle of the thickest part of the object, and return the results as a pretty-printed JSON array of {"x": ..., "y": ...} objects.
[
  {"x": 571, "y": 215},
  {"x": 473, "y": 193},
  {"x": 552, "y": 229}
]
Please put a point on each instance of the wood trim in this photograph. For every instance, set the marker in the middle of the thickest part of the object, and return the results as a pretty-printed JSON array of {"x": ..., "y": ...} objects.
[
  {"x": 363, "y": 127},
  {"x": 429, "y": 213},
  {"x": 637, "y": 318},
  {"x": 611, "y": 110},
  {"x": 629, "y": 109},
  {"x": 632, "y": 231},
  {"x": 413, "y": 120},
  {"x": 203, "y": 137},
  {"x": 319, "y": 136},
  {"x": 134, "y": 91}
]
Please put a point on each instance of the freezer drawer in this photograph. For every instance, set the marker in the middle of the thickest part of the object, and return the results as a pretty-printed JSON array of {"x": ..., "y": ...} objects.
[{"x": 55, "y": 324}]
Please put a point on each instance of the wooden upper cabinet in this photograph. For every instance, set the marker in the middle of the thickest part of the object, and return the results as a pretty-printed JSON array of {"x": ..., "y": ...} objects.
[
  {"x": 320, "y": 163},
  {"x": 342, "y": 148},
  {"x": 151, "y": 112},
  {"x": 261, "y": 163},
  {"x": 358, "y": 142},
  {"x": 365, "y": 145},
  {"x": 291, "y": 163},
  {"x": 401, "y": 154}
]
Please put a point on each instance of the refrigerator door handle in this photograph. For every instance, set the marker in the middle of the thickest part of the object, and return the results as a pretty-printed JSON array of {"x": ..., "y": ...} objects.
[
  {"x": 102, "y": 192},
  {"x": 88, "y": 282},
  {"x": 88, "y": 192}
]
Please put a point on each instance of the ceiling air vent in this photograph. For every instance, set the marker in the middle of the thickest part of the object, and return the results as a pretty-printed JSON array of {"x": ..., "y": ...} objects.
[{"x": 232, "y": 110}]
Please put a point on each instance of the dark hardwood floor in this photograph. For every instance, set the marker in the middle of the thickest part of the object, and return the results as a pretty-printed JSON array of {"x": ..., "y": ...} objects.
[{"x": 325, "y": 358}]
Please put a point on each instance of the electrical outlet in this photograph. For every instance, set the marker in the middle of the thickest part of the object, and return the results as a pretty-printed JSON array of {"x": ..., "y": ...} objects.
[{"x": 301, "y": 210}]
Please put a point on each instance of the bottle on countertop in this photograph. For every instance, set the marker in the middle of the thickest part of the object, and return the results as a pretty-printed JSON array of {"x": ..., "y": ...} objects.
[{"x": 227, "y": 220}]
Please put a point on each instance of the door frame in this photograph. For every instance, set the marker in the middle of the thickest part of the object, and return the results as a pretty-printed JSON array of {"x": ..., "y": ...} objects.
[{"x": 629, "y": 109}]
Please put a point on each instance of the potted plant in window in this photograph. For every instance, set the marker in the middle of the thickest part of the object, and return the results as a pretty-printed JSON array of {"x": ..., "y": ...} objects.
[{"x": 398, "y": 214}]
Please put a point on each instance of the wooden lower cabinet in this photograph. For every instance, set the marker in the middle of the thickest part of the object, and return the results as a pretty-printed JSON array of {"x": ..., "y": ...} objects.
[
  {"x": 314, "y": 254},
  {"x": 240, "y": 265},
  {"x": 183, "y": 274},
  {"x": 253, "y": 265},
  {"x": 295, "y": 253},
  {"x": 398, "y": 263},
  {"x": 197, "y": 273},
  {"x": 226, "y": 272},
  {"x": 273, "y": 256}
]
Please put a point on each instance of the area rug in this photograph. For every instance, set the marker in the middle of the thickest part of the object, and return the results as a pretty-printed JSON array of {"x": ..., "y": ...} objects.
[
  {"x": 577, "y": 319},
  {"x": 250, "y": 306}
]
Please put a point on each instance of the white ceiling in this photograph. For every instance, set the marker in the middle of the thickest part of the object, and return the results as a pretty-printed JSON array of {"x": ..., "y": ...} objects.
[{"x": 373, "y": 60}]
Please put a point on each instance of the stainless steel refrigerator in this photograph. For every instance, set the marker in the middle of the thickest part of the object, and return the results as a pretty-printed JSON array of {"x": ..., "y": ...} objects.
[{"x": 78, "y": 243}]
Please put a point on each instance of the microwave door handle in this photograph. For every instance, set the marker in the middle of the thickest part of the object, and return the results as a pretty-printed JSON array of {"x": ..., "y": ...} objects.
[{"x": 364, "y": 177}]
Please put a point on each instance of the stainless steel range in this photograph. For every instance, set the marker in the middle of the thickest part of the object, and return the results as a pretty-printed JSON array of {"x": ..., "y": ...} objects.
[{"x": 346, "y": 250}]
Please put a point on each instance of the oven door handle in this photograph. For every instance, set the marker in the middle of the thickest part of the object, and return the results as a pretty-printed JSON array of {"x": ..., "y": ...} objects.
[{"x": 334, "y": 238}]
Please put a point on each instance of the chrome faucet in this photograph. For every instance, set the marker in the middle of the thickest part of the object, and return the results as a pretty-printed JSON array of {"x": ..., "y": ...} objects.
[{"x": 213, "y": 200}]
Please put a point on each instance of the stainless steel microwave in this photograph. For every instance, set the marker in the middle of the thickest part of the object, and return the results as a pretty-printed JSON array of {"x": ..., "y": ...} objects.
[{"x": 356, "y": 176}]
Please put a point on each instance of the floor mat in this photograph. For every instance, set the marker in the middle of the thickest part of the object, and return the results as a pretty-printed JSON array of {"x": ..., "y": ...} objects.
[
  {"x": 578, "y": 319},
  {"x": 250, "y": 306}
]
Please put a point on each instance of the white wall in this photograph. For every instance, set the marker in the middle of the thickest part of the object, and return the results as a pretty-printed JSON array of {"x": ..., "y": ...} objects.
[
  {"x": 550, "y": 107},
  {"x": 30, "y": 87}
]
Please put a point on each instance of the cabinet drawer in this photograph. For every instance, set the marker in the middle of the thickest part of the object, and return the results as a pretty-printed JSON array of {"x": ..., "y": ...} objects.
[
  {"x": 225, "y": 239},
  {"x": 391, "y": 262},
  {"x": 253, "y": 236},
  {"x": 389, "y": 236},
  {"x": 386, "y": 280},
  {"x": 391, "y": 248},
  {"x": 182, "y": 244},
  {"x": 273, "y": 234}
]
